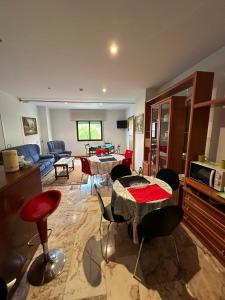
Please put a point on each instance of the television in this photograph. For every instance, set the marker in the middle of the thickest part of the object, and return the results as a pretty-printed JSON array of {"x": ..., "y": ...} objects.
[{"x": 122, "y": 124}]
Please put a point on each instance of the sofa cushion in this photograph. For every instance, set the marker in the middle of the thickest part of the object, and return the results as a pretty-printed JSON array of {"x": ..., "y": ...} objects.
[
  {"x": 45, "y": 162},
  {"x": 42, "y": 167},
  {"x": 34, "y": 152}
]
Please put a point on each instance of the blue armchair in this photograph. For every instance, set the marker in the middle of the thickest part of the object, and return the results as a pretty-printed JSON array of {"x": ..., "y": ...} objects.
[
  {"x": 58, "y": 149},
  {"x": 31, "y": 152}
]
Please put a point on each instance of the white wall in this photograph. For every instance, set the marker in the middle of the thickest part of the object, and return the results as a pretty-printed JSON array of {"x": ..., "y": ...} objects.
[
  {"x": 12, "y": 111},
  {"x": 45, "y": 127},
  {"x": 63, "y": 124}
]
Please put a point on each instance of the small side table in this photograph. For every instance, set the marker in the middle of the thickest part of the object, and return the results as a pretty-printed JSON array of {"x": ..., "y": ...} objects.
[{"x": 65, "y": 163}]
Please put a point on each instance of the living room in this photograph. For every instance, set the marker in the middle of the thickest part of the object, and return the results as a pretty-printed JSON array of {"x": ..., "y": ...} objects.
[{"x": 87, "y": 88}]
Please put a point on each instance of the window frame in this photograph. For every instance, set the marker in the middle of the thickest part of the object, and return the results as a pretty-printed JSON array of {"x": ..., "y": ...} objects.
[{"x": 89, "y": 122}]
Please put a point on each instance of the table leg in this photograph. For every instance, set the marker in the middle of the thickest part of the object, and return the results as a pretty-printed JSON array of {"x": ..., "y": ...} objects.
[
  {"x": 135, "y": 234},
  {"x": 67, "y": 171},
  {"x": 56, "y": 172},
  {"x": 73, "y": 164}
]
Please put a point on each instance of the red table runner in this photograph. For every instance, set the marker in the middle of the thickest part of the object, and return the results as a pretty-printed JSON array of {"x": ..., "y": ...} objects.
[{"x": 150, "y": 193}]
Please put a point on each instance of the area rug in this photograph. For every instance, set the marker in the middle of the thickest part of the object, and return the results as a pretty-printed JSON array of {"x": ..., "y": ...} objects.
[{"x": 75, "y": 177}]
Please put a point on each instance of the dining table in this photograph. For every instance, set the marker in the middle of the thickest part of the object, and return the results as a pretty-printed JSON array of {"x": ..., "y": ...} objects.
[
  {"x": 103, "y": 164},
  {"x": 135, "y": 196}
]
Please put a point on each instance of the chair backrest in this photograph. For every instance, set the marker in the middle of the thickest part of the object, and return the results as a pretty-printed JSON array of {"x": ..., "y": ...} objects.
[
  {"x": 85, "y": 166},
  {"x": 120, "y": 171},
  {"x": 3, "y": 289},
  {"x": 169, "y": 176},
  {"x": 100, "y": 201},
  {"x": 127, "y": 162},
  {"x": 92, "y": 150},
  {"x": 128, "y": 154},
  {"x": 87, "y": 147},
  {"x": 162, "y": 221},
  {"x": 100, "y": 151},
  {"x": 56, "y": 146}
]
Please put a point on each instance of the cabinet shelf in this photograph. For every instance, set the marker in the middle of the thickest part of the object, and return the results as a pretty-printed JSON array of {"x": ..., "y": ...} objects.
[
  {"x": 217, "y": 102},
  {"x": 163, "y": 157},
  {"x": 204, "y": 189}
]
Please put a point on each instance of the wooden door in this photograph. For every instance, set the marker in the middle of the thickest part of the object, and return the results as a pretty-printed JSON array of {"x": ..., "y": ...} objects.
[{"x": 131, "y": 137}]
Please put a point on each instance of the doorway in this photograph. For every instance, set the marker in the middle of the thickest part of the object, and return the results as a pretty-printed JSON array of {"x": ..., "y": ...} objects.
[{"x": 2, "y": 137}]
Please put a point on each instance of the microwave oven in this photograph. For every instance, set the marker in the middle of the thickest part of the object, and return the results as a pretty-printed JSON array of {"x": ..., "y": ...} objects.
[{"x": 209, "y": 174}]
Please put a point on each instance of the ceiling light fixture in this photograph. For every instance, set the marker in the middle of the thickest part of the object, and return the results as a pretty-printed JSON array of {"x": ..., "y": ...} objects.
[
  {"x": 114, "y": 49},
  {"x": 104, "y": 90}
]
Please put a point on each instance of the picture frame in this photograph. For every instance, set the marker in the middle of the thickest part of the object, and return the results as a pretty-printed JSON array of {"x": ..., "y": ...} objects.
[
  {"x": 29, "y": 126},
  {"x": 139, "y": 123}
]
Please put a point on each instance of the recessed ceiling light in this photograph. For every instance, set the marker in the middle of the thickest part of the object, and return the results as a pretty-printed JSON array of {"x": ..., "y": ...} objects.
[
  {"x": 114, "y": 48},
  {"x": 104, "y": 90}
]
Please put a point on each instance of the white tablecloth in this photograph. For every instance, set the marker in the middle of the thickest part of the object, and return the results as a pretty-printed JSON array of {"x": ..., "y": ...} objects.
[
  {"x": 124, "y": 204},
  {"x": 98, "y": 167}
]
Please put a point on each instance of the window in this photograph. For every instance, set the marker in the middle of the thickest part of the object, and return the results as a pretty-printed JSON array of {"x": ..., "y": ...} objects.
[{"x": 89, "y": 130}]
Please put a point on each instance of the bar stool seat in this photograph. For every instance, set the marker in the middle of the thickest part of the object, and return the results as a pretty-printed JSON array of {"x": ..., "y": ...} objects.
[
  {"x": 41, "y": 206},
  {"x": 50, "y": 263}
]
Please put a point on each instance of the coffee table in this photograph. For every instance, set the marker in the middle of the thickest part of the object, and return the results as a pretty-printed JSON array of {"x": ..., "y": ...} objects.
[{"x": 65, "y": 163}]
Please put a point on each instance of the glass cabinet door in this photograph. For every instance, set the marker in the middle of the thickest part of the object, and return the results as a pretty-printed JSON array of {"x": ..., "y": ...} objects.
[
  {"x": 164, "y": 134},
  {"x": 154, "y": 140}
]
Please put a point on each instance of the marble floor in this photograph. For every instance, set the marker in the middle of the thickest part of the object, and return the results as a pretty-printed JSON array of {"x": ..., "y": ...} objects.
[{"x": 75, "y": 227}]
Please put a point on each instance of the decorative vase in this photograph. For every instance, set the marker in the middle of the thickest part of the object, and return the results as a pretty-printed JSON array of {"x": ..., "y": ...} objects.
[{"x": 10, "y": 160}]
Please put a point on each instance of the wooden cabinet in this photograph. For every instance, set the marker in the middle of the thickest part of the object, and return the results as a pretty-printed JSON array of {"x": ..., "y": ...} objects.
[
  {"x": 166, "y": 140},
  {"x": 16, "y": 189},
  {"x": 206, "y": 220},
  {"x": 204, "y": 210},
  {"x": 195, "y": 133}
]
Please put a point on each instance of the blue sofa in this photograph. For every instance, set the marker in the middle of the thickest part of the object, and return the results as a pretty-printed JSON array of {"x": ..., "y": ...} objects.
[
  {"x": 32, "y": 152},
  {"x": 58, "y": 149}
]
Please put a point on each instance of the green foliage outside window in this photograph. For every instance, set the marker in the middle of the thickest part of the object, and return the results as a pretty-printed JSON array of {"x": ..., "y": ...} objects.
[{"x": 89, "y": 130}]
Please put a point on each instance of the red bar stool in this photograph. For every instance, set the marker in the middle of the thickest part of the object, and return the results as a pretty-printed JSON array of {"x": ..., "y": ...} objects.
[{"x": 50, "y": 263}]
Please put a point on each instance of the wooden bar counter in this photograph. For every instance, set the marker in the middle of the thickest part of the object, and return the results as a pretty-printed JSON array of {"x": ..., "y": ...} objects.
[{"x": 16, "y": 189}]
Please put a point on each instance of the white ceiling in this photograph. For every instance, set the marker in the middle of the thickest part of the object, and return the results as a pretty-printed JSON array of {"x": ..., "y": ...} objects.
[{"x": 64, "y": 45}]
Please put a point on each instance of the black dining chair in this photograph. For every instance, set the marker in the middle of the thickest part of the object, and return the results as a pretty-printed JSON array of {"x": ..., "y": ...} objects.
[
  {"x": 107, "y": 214},
  {"x": 159, "y": 222},
  {"x": 119, "y": 171},
  {"x": 169, "y": 176},
  {"x": 3, "y": 289}
]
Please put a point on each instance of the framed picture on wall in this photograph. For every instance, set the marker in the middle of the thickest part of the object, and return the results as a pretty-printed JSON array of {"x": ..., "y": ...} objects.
[
  {"x": 139, "y": 120},
  {"x": 29, "y": 125}
]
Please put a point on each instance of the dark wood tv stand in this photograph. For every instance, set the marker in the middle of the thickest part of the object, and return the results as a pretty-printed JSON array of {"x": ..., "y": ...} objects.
[{"x": 204, "y": 215}]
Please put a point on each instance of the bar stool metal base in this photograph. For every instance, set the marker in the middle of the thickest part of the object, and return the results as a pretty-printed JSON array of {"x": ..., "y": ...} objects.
[{"x": 42, "y": 271}]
